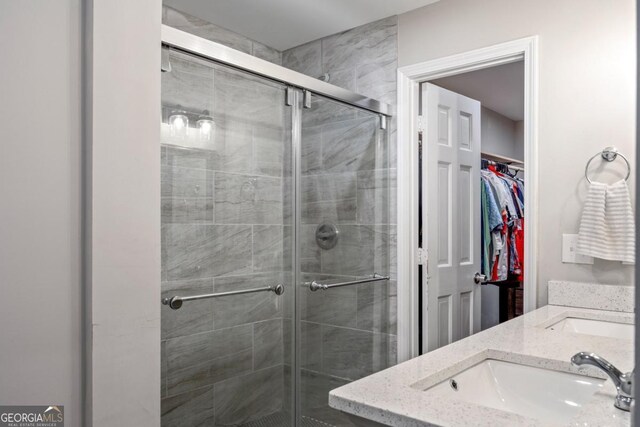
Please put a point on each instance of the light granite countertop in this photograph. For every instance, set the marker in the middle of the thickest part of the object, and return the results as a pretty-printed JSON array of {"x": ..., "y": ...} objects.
[{"x": 395, "y": 396}]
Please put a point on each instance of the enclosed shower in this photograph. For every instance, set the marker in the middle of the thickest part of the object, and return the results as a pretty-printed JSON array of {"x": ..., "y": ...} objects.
[{"x": 277, "y": 243}]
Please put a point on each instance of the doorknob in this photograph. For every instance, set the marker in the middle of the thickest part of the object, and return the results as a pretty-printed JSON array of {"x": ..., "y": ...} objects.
[{"x": 479, "y": 278}]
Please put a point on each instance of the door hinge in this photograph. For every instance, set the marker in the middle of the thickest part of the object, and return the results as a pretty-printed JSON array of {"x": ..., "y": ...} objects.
[
  {"x": 423, "y": 256},
  {"x": 420, "y": 134}
]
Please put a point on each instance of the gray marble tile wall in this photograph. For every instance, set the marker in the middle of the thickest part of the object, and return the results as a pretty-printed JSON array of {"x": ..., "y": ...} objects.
[
  {"x": 224, "y": 229},
  {"x": 209, "y": 31},
  {"x": 363, "y": 59}
]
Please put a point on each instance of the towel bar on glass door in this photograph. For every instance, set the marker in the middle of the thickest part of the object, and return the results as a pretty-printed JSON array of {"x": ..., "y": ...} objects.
[
  {"x": 315, "y": 286},
  {"x": 176, "y": 301}
]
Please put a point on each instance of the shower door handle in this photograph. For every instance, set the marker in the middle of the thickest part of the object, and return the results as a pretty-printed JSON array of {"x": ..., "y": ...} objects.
[
  {"x": 176, "y": 301},
  {"x": 315, "y": 286}
]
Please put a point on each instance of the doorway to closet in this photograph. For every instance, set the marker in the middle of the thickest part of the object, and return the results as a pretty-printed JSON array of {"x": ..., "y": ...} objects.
[{"x": 471, "y": 202}]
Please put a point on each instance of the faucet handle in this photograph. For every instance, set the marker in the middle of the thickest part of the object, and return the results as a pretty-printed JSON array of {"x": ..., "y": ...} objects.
[{"x": 626, "y": 382}]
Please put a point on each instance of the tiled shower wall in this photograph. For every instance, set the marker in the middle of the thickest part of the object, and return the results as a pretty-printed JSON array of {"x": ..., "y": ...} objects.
[
  {"x": 363, "y": 59},
  {"x": 209, "y": 31}
]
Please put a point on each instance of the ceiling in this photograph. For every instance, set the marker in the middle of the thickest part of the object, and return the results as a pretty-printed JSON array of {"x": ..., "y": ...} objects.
[
  {"x": 283, "y": 24},
  {"x": 500, "y": 89}
]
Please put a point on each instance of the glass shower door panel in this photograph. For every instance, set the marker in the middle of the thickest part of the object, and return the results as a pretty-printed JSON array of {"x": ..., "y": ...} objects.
[
  {"x": 226, "y": 226},
  {"x": 346, "y": 233}
]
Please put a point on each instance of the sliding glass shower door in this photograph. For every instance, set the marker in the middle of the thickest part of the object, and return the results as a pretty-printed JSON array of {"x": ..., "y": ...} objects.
[
  {"x": 346, "y": 331},
  {"x": 270, "y": 198},
  {"x": 226, "y": 227}
]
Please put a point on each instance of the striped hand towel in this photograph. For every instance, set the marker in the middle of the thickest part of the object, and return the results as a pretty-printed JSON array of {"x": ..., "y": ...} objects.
[{"x": 607, "y": 228}]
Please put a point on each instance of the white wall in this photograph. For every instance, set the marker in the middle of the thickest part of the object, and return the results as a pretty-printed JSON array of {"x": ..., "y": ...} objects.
[
  {"x": 124, "y": 213},
  {"x": 41, "y": 188},
  {"x": 40, "y": 166},
  {"x": 586, "y": 100},
  {"x": 499, "y": 135}
]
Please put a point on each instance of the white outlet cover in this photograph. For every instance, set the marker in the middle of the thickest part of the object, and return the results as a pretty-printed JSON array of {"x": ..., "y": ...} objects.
[{"x": 569, "y": 254}]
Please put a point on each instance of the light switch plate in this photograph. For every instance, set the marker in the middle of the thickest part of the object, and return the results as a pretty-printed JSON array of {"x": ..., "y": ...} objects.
[{"x": 569, "y": 254}]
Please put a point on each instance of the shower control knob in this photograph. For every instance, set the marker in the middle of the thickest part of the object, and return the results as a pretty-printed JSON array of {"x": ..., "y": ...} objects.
[{"x": 327, "y": 236}]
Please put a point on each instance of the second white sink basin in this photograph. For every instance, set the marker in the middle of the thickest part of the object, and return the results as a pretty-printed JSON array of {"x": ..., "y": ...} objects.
[
  {"x": 549, "y": 396},
  {"x": 601, "y": 328}
]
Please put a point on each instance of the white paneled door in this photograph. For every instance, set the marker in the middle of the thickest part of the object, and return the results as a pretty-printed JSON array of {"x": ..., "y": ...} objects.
[{"x": 451, "y": 216}]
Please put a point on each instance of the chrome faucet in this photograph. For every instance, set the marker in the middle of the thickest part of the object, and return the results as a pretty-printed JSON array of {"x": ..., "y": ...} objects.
[{"x": 623, "y": 382}]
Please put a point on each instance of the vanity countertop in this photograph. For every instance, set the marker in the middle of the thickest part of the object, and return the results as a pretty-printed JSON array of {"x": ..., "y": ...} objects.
[{"x": 395, "y": 396}]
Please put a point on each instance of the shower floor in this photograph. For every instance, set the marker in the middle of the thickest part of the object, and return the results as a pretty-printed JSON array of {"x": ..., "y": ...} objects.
[{"x": 281, "y": 419}]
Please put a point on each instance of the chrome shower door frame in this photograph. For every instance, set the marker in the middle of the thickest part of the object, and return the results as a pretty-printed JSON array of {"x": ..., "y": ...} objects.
[{"x": 195, "y": 45}]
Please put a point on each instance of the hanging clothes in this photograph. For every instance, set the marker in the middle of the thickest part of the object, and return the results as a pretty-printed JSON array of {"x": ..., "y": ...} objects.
[
  {"x": 502, "y": 205},
  {"x": 491, "y": 220},
  {"x": 519, "y": 238}
]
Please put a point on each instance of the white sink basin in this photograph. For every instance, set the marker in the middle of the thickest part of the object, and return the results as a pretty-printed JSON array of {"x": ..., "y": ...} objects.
[
  {"x": 602, "y": 328},
  {"x": 549, "y": 396}
]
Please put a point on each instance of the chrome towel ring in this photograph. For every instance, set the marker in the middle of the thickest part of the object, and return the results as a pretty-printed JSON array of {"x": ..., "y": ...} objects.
[{"x": 609, "y": 154}]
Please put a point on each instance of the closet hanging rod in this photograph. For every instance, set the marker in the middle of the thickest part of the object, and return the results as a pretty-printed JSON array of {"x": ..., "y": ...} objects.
[{"x": 516, "y": 168}]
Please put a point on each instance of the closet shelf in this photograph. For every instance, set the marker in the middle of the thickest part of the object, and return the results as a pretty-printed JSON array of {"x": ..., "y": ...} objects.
[{"x": 501, "y": 159}]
